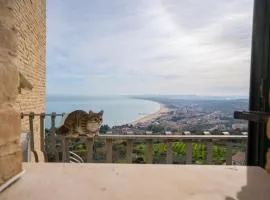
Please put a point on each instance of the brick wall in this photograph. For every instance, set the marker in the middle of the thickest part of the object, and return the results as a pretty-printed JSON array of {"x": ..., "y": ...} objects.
[
  {"x": 30, "y": 16},
  {"x": 10, "y": 152}
]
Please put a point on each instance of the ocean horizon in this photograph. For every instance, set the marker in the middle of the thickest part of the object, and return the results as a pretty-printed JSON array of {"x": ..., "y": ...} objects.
[{"x": 118, "y": 110}]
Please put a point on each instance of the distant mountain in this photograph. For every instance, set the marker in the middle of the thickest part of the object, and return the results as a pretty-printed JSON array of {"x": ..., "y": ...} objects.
[
  {"x": 51, "y": 97},
  {"x": 191, "y": 97}
]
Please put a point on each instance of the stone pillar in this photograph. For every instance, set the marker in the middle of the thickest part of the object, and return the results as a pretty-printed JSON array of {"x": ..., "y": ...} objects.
[
  {"x": 10, "y": 151},
  {"x": 30, "y": 17}
]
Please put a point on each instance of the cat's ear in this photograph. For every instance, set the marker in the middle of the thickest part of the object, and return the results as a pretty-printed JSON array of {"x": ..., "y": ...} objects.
[{"x": 101, "y": 113}]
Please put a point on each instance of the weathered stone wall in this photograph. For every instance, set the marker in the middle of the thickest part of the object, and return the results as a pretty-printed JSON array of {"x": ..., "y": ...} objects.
[
  {"x": 10, "y": 151},
  {"x": 30, "y": 16},
  {"x": 23, "y": 46}
]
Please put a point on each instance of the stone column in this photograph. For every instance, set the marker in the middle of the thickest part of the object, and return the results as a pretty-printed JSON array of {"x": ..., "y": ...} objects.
[
  {"x": 10, "y": 151},
  {"x": 30, "y": 22}
]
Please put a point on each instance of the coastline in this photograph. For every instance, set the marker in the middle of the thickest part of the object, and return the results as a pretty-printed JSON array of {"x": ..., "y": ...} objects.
[
  {"x": 148, "y": 118},
  {"x": 137, "y": 116}
]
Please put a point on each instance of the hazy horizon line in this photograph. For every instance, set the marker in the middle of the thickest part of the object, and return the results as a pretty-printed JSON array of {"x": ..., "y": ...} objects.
[{"x": 148, "y": 95}]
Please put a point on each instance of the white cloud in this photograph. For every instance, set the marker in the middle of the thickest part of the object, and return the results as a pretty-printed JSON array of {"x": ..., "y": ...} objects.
[{"x": 148, "y": 47}]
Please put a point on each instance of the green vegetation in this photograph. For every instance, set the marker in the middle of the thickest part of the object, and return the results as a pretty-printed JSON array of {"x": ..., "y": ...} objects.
[
  {"x": 155, "y": 128},
  {"x": 104, "y": 128},
  {"x": 179, "y": 150}
]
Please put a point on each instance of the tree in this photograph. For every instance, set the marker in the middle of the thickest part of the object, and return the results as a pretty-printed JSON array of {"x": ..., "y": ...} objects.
[
  {"x": 104, "y": 128},
  {"x": 155, "y": 128}
]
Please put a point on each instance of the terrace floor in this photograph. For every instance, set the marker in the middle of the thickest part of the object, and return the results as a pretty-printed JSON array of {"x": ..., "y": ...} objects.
[{"x": 138, "y": 182}]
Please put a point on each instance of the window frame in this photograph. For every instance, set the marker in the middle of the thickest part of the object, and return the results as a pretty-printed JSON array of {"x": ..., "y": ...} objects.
[{"x": 259, "y": 97}]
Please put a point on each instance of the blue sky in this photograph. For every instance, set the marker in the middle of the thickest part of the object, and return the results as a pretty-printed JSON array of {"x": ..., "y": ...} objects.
[{"x": 148, "y": 47}]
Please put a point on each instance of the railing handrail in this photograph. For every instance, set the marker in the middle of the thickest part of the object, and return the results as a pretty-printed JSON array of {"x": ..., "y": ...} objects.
[
  {"x": 131, "y": 137},
  {"x": 42, "y": 114},
  {"x": 168, "y": 137}
]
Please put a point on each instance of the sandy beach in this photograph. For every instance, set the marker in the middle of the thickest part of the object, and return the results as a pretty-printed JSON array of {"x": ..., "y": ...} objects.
[{"x": 150, "y": 117}]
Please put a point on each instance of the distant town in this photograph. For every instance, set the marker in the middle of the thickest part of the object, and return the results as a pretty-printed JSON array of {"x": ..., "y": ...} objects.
[{"x": 188, "y": 115}]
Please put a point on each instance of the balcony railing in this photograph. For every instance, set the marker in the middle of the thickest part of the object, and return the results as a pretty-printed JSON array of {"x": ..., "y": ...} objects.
[{"x": 60, "y": 146}]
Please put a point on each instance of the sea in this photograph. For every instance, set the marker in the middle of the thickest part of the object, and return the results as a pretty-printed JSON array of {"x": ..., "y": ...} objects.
[{"x": 118, "y": 110}]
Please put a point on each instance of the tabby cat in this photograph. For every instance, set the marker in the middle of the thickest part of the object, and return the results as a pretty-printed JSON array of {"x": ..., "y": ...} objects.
[{"x": 80, "y": 122}]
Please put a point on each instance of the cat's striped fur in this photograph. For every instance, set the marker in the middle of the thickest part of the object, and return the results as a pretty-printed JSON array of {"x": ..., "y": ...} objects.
[{"x": 80, "y": 122}]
